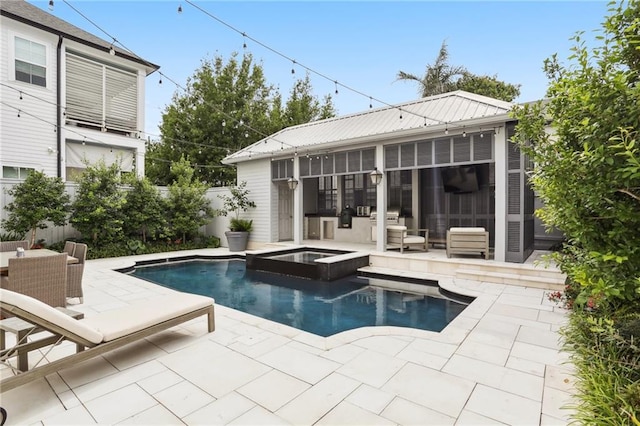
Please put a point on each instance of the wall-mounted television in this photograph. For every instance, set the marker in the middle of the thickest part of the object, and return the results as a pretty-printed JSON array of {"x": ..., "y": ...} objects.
[{"x": 459, "y": 179}]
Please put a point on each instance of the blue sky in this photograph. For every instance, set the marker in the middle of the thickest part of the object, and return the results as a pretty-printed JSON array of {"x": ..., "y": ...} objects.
[{"x": 360, "y": 44}]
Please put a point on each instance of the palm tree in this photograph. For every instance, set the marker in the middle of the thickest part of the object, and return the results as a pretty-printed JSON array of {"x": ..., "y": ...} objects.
[{"x": 439, "y": 77}]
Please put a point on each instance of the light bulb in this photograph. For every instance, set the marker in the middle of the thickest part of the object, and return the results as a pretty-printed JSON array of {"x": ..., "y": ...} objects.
[
  {"x": 180, "y": 9},
  {"x": 50, "y": 4}
]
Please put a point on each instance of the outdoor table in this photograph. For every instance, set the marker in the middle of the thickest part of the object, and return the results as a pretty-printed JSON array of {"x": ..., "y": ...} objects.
[{"x": 6, "y": 255}]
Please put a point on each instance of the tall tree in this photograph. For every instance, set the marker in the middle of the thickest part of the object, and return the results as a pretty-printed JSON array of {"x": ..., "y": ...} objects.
[
  {"x": 36, "y": 201},
  {"x": 439, "y": 77},
  {"x": 225, "y": 107},
  {"x": 442, "y": 77},
  {"x": 189, "y": 208},
  {"x": 97, "y": 209}
]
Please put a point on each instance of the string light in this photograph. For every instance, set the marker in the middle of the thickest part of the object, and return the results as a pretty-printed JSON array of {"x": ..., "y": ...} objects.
[
  {"x": 336, "y": 82},
  {"x": 18, "y": 113},
  {"x": 400, "y": 109},
  {"x": 370, "y": 102},
  {"x": 50, "y": 4},
  {"x": 180, "y": 8},
  {"x": 20, "y": 95},
  {"x": 293, "y": 70},
  {"x": 244, "y": 42}
]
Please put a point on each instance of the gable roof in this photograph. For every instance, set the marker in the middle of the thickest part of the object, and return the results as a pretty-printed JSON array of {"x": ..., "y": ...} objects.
[
  {"x": 435, "y": 113},
  {"x": 22, "y": 11}
]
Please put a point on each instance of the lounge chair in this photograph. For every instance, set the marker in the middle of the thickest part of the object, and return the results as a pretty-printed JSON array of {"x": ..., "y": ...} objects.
[
  {"x": 69, "y": 247},
  {"x": 398, "y": 236},
  {"x": 75, "y": 272},
  {"x": 99, "y": 333}
]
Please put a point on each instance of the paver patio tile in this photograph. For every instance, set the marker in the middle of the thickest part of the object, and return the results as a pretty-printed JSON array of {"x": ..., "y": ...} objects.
[
  {"x": 407, "y": 413},
  {"x": 445, "y": 393},
  {"x": 214, "y": 368},
  {"x": 469, "y": 418},
  {"x": 129, "y": 400},
  {"x": 156, "y": 415},
  {"x": 422, "y": 358},
  {"x": 315, "y": 402},
  {"x": 21, "y": 408},
  {"x": 556, "y": 403},
  {"x": 221, "y": 411},
  {"x": 384, "y": 344},
  {"x": 526, "y": 366},
  {"x": 258, "y": 416},
  {"x": 344, "y": 353},
  {"x": 133, "y": 354},
  {"x": 346, "y": 413},
  {"x": 87, "y": 372},
  {"x": 370, "y": 398},
  {"x": 299, "y": 364},
  {"x": 483, "y": 352},
  {"x": 159, "y": 381},
  {"x": 506, "y": 310},
  {"x": 372, "y": 368},
  {"x": 183, "y": 398},
  {"x": 273, "y": 389},
  {"x": 504, "y": 406},
  {"x": 536, "y": 336},
  {"x": 74, "y": 416},
  {"x": 560, "y": 377},
  {"x": 112, "y": 382},
  {"x": 538, "y": 353}
]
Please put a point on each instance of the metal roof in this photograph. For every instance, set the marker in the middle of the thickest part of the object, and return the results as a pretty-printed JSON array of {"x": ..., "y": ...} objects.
[
  {"x": 22, "y": 11},
  {"x": 435, "y": 113}
]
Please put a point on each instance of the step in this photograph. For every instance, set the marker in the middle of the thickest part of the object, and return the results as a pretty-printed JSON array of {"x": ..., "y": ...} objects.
[{"x": 544, "y": 282}]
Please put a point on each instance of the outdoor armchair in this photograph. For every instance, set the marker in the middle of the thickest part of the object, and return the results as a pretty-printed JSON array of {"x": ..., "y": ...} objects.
[
  {"x": 75, "y": 272},
  {"x": 43, "y": 278},
  {"x": 13, "y": 245}
]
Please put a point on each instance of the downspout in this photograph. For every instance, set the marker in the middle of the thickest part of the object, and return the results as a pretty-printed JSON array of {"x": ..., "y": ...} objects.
[{"x": 59, "y": 105}]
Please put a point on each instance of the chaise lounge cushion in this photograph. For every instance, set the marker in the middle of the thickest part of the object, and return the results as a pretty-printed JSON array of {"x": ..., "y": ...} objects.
[
  {"x": 111, "y": 325},
  {"x": 123, "y": 321},
  {"x": 51, "y": 315}
]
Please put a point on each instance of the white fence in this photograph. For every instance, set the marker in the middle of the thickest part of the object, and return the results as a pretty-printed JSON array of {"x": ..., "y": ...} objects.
[{"x": 52, "y": 234}]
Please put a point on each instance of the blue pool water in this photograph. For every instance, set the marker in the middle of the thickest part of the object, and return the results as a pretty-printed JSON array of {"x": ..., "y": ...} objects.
[{"x": 322, "y": 308}]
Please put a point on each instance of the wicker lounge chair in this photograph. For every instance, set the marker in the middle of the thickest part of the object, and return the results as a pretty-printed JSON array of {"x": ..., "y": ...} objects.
[
  {"x": 75, "y": 272},
  {"x": 99, "y": 333},
  {"x": 43, "y": 278},
  {"x": 13, "y": 245}
]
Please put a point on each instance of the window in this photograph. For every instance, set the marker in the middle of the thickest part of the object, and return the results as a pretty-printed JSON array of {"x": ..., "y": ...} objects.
[
  {"x": 11, "y": 172},
  {"x": 327, "y": 195},
  {"x": 400, "y": 190},
  {"x": 358, "y": 190},
  {"x": 31, "y": 62}
]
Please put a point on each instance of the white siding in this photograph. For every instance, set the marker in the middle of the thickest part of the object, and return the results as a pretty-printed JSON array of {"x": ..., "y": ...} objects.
[
  {"x": 257, "y": 174},
  {"x": 25, "y": 140}
]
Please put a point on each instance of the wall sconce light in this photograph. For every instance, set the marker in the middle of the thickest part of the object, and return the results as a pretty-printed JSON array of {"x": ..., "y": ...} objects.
[
  {"x": 292, "y": 183},
  {"x": 376, "y": 176}
]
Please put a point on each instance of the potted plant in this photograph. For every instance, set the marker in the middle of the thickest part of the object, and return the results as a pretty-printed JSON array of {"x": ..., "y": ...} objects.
[{"x": 239, "y": 229}]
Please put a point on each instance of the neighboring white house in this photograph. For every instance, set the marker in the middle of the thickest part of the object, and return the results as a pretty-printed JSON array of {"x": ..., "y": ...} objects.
[
  {"x": 445, "y": 160},
  {"x": 66, "y": 97}
]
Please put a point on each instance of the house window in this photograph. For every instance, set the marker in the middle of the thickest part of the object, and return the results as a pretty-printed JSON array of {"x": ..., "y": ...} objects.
[
  {"x": 327, "y": 195},
  {"x": 31, "y": 62},
  {"x": 358, "y": 190},
  {"x": 11, "y": 172},
  {"x": 399, "y": 188}
]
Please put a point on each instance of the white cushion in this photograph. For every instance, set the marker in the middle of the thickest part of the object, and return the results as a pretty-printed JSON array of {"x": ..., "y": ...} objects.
[
  {"x": 470, "y": 229},
  {"x": 122, "y": 321},
  {"x": 397, "y": 227},
  {"x": 50, "y": 314},
  {"x": 413, "y": 239}
]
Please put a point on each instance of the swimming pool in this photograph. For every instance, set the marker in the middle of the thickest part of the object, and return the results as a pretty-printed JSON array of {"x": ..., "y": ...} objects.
[{"x": 315, "y": 306}]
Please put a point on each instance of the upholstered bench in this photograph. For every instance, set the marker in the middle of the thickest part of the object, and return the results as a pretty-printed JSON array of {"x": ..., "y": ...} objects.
[{"x": 467, "y": 240}]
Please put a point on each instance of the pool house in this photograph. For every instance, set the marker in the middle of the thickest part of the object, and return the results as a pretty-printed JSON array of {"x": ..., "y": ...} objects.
[{"x": 434, "y": 163}]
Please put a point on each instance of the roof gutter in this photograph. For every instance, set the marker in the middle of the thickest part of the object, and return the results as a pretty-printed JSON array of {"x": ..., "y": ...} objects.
[{"x": 59, "y": 104}]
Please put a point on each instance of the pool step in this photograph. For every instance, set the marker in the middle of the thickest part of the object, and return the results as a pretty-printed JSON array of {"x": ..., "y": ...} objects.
[{"x": 527, "y": 275}]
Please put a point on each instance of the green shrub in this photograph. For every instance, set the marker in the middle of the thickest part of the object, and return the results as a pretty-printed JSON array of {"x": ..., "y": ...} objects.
[{"x": 606, "y": 356}]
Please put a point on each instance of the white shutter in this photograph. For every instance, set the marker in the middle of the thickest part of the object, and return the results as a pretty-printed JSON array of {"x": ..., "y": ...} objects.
[
  {"x": 84, "y": 91},
  {"x": 121, "y": 100}
]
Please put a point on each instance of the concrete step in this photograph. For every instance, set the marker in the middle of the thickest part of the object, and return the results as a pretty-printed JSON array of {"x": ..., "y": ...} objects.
[{"x": 525, "y": 280}]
